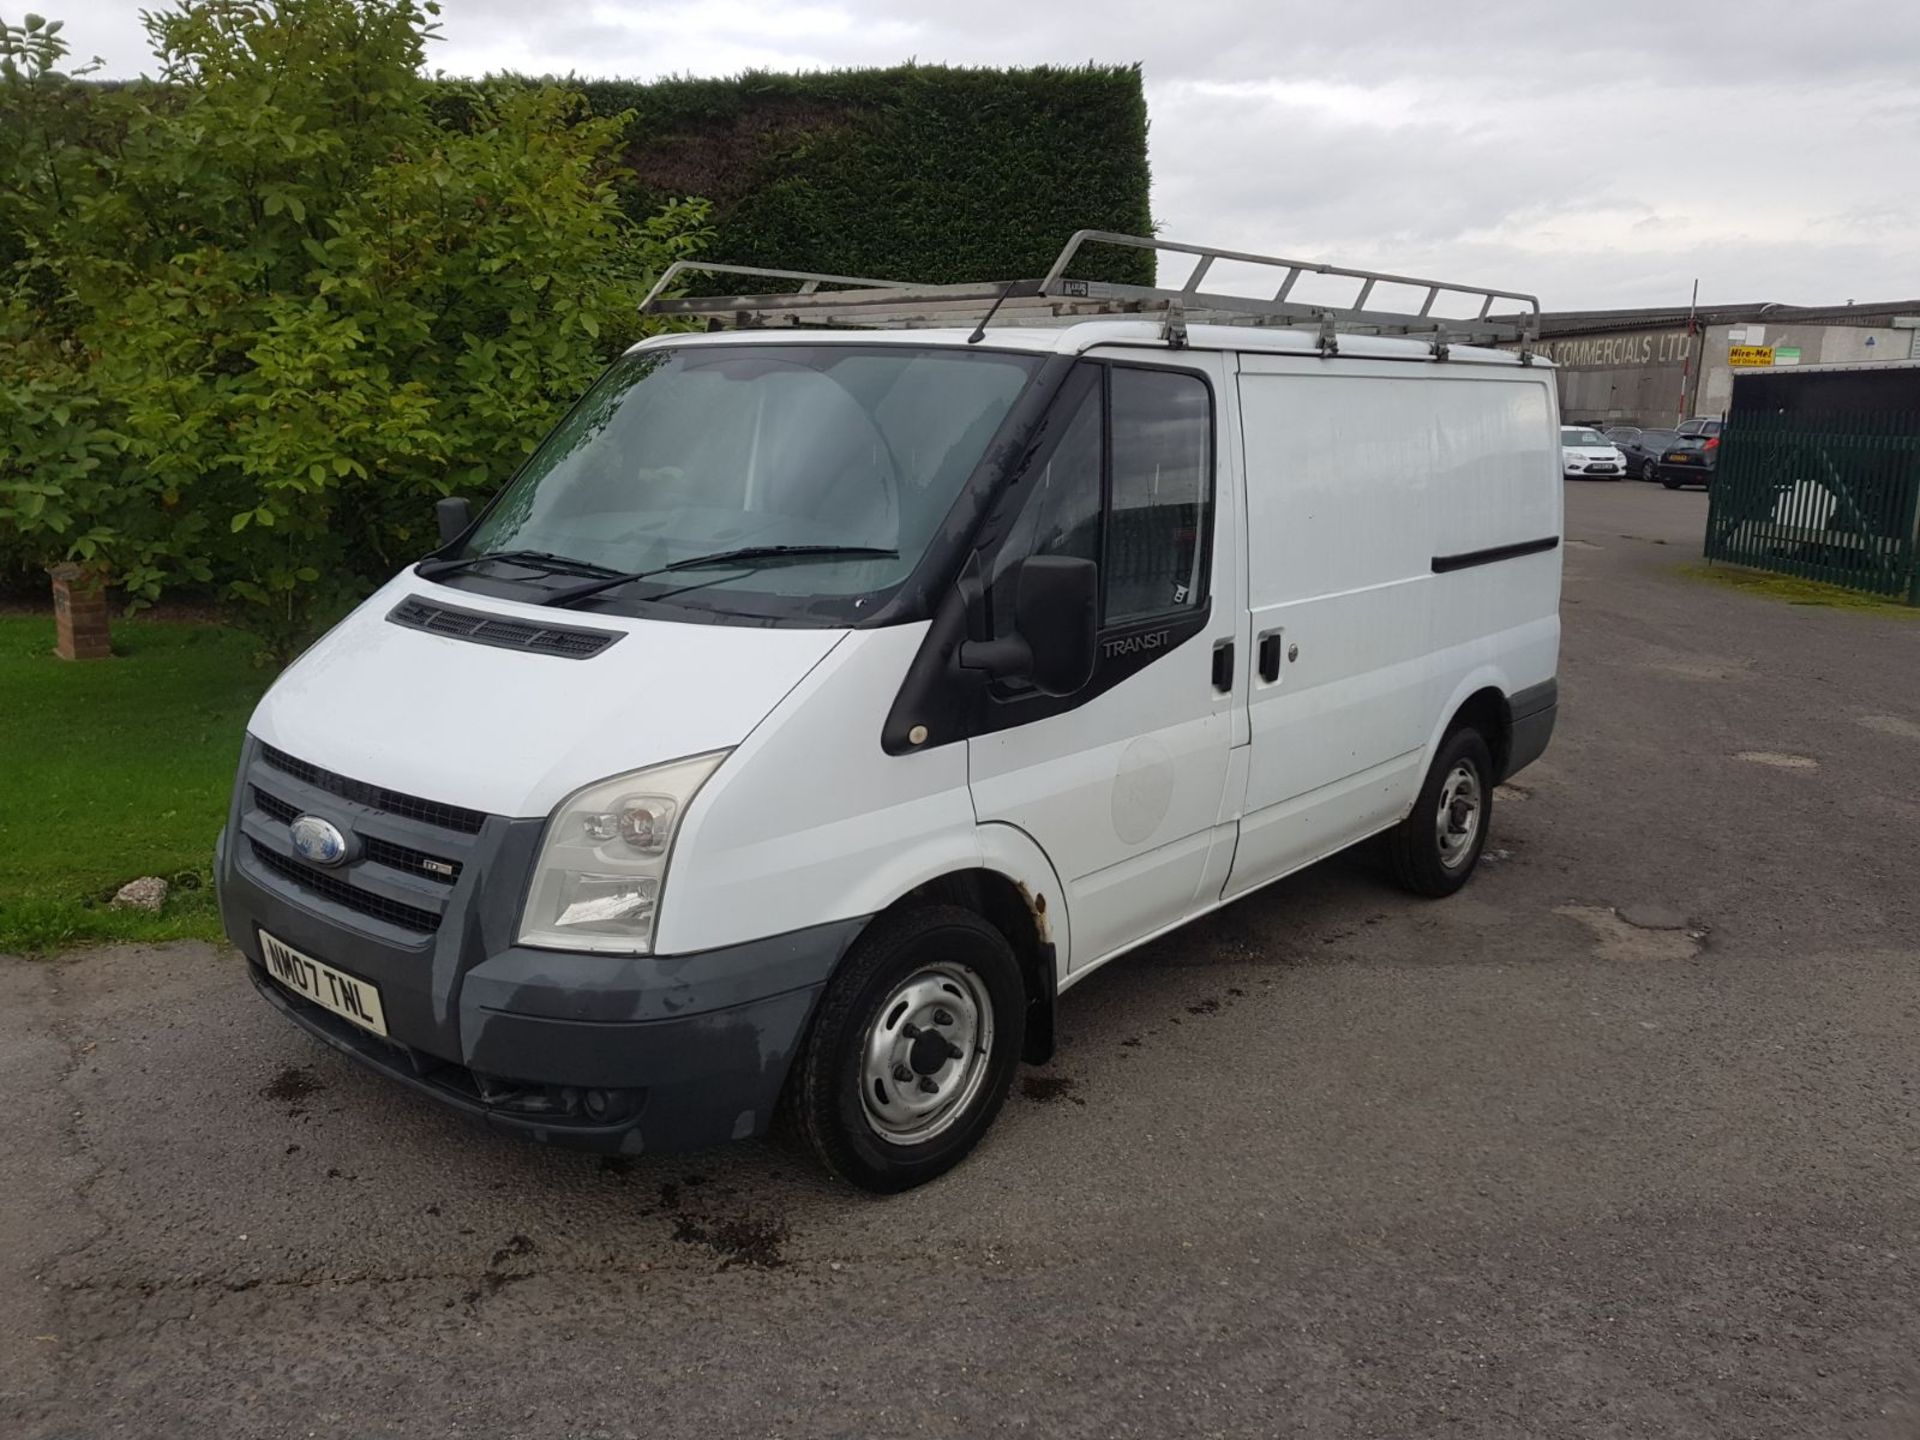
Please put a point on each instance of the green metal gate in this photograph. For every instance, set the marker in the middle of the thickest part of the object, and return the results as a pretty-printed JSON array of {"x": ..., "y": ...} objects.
[{"x": 1827, "y": 497}]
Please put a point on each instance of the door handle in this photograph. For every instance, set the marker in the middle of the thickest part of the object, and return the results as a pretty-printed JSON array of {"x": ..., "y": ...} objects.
[
  {"x": 1270, "y": 656},
  {"x": 1223, "y": 666}
]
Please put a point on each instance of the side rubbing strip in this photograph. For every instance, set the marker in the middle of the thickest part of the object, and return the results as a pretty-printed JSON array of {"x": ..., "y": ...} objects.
[{"x": 1443, "y": 563}]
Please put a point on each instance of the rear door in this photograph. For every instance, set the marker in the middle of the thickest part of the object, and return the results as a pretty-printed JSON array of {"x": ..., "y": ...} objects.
[{"x": 1122, "y": 784}]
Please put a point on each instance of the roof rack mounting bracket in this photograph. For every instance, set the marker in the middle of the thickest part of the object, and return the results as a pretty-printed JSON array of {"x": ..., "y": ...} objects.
[
  {"x": 1329, "y": 336},
  {"x": 1176, "y": 332},
  {"x": 1441, "y": 348}
]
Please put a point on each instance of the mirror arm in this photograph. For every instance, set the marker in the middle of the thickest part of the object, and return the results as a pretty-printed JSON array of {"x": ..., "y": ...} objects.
[{"x": 1006, "y": 659}]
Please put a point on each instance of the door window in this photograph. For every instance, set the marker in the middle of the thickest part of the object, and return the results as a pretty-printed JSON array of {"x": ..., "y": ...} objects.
[
  {"x": 1161, "y": 483},
  {"x": 1128, "y": 483},
  {"x": 1062, "y": 515}
]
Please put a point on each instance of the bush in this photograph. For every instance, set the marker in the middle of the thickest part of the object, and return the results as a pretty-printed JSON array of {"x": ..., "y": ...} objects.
[
  {"x": 260, "y": 315},
  {"x": 257, "y": 315}
]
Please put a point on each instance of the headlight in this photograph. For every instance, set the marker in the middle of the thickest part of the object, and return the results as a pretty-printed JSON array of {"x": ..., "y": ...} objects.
[{"x": 596, "y": 885}]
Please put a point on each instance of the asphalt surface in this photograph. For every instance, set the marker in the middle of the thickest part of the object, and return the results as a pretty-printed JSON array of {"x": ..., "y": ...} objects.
[{"x": 1332, "y": 1163}]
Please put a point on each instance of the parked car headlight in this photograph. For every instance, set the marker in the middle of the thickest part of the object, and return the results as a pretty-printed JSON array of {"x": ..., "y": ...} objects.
[{"x": 596, "y": 885}]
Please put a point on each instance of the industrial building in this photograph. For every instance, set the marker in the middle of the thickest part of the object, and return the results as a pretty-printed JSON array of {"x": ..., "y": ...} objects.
[{"x": 1653, "y": 367}]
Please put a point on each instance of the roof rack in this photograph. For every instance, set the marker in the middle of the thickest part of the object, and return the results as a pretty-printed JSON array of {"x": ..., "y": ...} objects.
[{"x": 865, "y": 303}]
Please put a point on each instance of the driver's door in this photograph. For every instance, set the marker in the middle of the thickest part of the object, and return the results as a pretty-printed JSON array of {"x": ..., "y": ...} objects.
[{"x": 1122, "y": 782}]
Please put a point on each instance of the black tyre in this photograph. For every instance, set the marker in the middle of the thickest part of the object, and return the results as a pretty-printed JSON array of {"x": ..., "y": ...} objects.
[
  {"x": 1647, "y": 472},
  {"x": 1433, "y": 851},
  {"x": 911, "y": 1050},
  {"x": 1671, "y": 484}
]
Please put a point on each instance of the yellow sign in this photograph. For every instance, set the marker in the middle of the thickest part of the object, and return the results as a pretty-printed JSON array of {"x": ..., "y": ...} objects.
[{"x": 1750, "y": 355}]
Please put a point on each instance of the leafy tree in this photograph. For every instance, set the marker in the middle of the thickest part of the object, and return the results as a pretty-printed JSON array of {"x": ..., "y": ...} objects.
[{"x": 262, "y": 312}]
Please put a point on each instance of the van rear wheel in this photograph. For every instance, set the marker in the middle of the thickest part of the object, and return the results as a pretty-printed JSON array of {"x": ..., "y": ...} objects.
[
  {"x": 1434, "y": 850},
  {"x": 912, "y": 1048}
]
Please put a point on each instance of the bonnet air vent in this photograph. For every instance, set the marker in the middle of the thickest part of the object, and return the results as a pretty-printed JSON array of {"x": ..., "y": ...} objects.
[{"x": 568, "y": 641}]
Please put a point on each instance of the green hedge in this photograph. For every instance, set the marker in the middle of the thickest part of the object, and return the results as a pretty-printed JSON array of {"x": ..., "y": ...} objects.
[
  {"x": 921, "y": 172},
  {"x": 918, "y": 172}
]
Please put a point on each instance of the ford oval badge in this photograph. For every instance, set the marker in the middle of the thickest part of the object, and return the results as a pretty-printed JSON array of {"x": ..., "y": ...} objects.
[{"x": 317, "y": 841}]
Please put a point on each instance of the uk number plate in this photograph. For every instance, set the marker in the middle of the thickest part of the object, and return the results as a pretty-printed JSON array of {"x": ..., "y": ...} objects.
[{"x": 325, "y": 986}]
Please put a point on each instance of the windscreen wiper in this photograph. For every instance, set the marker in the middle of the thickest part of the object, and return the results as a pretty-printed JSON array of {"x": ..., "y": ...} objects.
[
  {"x": 537, "y": 559},
  {"x": 746, "y": 554}
]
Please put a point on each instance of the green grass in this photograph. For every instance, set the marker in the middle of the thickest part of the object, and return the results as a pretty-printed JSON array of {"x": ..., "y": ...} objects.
[
  {"x": 112, "y": 769},
  {"x": 1795, "y": 591}
]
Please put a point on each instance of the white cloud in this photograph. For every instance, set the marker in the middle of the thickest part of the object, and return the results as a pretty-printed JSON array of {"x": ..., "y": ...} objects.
[{"x": 1598, "y": 155}]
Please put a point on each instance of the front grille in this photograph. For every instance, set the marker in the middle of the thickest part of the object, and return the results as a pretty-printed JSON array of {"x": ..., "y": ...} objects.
[
  {"x": 381, "y": 852},
  {"x": 332, "y": 887},
  {"x": 414, "y": 862},
  {"x": 407, "y": 853},
  {"x": 571, "y": 642},
  {"x": 395, "y": 802}
]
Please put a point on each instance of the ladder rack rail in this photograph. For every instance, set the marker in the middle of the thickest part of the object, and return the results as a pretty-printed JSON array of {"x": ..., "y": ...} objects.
[{"x": 869, "y": 303}]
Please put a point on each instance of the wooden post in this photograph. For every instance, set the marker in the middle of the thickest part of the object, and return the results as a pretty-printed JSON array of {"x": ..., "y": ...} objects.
[{"x": 79, "y": 613}]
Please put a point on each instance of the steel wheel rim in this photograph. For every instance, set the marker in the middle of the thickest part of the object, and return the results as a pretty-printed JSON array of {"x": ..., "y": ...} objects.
[
  {"x": 1457, "y": 821},
  {"x": 927, "y": 1053}
]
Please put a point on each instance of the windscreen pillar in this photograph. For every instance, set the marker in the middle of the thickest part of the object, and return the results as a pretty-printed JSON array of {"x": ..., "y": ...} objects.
[{"x": 79, "y": 613}]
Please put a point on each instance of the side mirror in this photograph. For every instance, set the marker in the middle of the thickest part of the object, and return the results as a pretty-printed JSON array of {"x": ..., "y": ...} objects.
[
  {"x": 454, "y": 515},
  {"x": 1056, "y": 621}
]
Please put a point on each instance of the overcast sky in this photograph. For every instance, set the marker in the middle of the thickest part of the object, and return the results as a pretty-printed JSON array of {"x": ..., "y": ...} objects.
[{"x": 1600, "y": 153}]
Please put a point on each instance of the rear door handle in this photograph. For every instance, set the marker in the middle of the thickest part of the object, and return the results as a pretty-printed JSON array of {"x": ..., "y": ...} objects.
[
  {"x": 1270, "y": 656},
  {"x": 1223, "y": 666}
]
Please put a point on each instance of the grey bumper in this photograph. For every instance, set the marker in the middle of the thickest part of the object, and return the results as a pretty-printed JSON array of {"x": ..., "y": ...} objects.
[
  {"x": 610, "y": 1053},
  {"x": 678, "y": 1081},
  {"x": 1530, "y": 716}
]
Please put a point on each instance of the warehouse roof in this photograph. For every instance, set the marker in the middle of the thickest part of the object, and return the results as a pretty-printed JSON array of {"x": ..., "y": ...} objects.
[{"x": 1667, "y": 317}]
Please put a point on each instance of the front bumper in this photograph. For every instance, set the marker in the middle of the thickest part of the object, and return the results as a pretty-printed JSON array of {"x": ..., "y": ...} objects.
[{"x": 610, "y": 1053}]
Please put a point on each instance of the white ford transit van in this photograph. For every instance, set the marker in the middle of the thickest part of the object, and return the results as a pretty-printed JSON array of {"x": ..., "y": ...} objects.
[{"x": 829, "y": 693}]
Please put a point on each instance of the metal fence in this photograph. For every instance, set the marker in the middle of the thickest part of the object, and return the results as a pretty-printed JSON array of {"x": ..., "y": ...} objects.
[{"x": 1826, "y": 497}]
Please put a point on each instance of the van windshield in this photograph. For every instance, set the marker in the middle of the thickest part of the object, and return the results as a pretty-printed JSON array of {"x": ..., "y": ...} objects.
[{"x": 694, "y": 450}]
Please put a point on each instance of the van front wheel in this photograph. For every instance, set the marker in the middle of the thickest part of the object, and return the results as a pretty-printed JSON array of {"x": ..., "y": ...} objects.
[
  {"x": 912, "y": 1048},
  {"x": 1433, "y": 851}
]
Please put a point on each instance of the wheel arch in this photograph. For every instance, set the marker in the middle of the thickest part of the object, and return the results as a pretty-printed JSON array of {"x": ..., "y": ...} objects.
[
  {"x": 1481, "y": 700},
  {"x": 1009, "y": 881},
  {"x": 1022, "y": 915}
]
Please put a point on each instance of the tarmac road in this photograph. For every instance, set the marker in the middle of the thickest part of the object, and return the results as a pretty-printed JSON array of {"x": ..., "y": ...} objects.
[{"x": 1333, "y": 1163}]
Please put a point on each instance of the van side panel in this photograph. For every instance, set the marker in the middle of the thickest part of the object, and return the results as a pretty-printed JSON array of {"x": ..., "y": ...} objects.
[
  {"x": 810, "y": 820},
  {"x": 1360, "y": 474}
]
